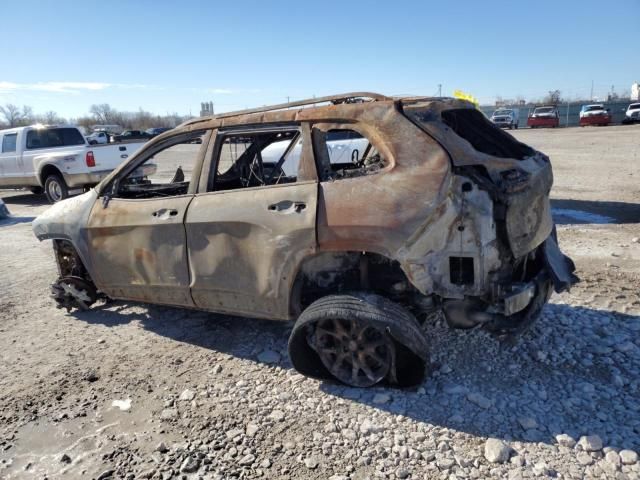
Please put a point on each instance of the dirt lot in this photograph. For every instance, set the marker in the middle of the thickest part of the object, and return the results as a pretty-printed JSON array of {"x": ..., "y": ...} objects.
[{"x": 138, "y": 391}]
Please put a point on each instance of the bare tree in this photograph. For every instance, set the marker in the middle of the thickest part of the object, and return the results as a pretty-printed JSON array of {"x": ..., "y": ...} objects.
[
  {"x": 103, "y": 113},
  {"x": 553, "y": 98},
  {"x": 52, "y": 118},
  {"x": 12, "y": 115}
]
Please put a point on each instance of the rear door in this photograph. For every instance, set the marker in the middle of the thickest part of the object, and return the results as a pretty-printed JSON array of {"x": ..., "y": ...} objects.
[
  {"x": 253, "y": 222},
  {"x": 137, "y": 242}
]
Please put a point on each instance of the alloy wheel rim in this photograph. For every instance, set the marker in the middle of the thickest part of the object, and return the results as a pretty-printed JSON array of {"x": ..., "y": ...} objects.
[{"x": 356, "y": 353}]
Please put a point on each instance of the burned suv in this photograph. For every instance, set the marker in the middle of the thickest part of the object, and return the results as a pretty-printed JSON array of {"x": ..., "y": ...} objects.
[{"x": 359, "y": 216}]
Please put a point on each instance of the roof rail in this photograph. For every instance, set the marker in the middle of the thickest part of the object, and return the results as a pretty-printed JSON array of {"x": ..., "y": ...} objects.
[{"x": 352, "y": 97}]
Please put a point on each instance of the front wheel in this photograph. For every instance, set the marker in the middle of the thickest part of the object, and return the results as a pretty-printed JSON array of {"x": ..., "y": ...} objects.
[{"x": 55, "y": 188}]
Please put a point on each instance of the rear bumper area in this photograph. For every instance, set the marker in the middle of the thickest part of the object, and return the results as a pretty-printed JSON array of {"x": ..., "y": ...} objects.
[
  {"x": 595, "y": 120},
  {"x": 542, "y": 122},
  {"x": 520, "y": 303}
]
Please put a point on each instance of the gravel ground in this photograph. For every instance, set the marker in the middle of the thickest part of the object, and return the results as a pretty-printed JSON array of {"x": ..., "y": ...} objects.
[{"x": 139, "y": 391}]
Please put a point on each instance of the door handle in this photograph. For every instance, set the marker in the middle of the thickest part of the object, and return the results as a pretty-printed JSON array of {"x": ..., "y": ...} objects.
[
  {"x": 164, "y": 213},
  {"x": 287, "y": 206}
]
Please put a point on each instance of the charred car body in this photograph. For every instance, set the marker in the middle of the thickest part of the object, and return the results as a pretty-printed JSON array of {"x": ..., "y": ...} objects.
[{"x": 433, "y": 209}]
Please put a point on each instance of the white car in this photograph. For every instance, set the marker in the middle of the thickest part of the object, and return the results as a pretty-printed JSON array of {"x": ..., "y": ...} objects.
[
  {"x": 56, "y": 158},
  {"x": 506, "y": 118},
  {"x": 98, "y": 138},
  {"x": 594, "y": 114},
  {"x": 632, "y": 114}
]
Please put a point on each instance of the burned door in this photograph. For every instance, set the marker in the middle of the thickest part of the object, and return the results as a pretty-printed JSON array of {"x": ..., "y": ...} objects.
[
  {"x": 254, "y": 222},
  {"x": 136, "y": 230}
]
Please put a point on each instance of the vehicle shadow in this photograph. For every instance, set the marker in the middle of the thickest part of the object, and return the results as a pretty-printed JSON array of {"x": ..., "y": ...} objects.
[
  {"x": 556, "y": 379},
  {"x": 25, "y": 199},
  {"x": 570, "y": 212},
  {"x": 5, "y": 222}
]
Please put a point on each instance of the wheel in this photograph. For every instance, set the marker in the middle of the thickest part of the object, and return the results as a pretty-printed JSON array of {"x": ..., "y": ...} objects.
[
  {"x": 36, "y": 190},
  {"x": 360, "y": 340},
  {"x": 55, "y": 188},
  {"x": 93, "y": 142},
  {"x": 516, "y": 126},
  {"x": 355, "y": 352}
]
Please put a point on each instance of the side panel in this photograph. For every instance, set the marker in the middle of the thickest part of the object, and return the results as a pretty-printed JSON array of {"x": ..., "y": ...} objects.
[
  {"x": 380, "y": 211},
  {"x": 245, "y": 246},
  {"x": 138, "y": 249}
]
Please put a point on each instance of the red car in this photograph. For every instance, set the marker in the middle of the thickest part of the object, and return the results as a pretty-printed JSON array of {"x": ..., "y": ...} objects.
[
  {"x": 594, "y": 115},
  {"x": 544, "y": 117}
]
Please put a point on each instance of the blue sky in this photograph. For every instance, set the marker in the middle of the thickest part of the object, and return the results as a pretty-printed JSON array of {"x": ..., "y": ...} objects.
[{"x": 169, "y": 56}]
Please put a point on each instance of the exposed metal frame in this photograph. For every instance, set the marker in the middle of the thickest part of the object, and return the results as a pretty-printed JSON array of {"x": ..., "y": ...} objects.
[{"x": 341, "y": 98}]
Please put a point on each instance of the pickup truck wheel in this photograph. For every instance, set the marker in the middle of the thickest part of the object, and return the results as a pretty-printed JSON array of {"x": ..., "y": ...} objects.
[
  {"x": 55, "y": 188},
  {"x": 360, "y": 340}
]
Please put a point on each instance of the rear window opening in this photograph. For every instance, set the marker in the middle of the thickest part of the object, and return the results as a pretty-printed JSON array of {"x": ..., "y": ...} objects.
[{"x": 485, "y": 137}]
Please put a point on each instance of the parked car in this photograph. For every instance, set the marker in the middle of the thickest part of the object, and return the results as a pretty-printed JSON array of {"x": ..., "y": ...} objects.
[
  {"x": 594, "y": 115},
  {"x": 56, "y": 159},
  {"x": 154, "y": 132},
  {"x": 544, "y": 117},
  {"x": 506, "y": 118},
  {"x": 130, "y": 135},
  {"x": 632, "y": 114},
  {"x": 439, "y": 212},
  {"x": 98, "y": 138}
]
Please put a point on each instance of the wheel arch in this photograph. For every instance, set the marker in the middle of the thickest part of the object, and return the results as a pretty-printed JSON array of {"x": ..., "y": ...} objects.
[
  {"x": 47, "y": 169},
  {"x": 334, "y": 272}
]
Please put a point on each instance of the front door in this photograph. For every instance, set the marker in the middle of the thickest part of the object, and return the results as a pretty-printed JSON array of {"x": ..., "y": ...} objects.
[
  {"x": 249, "y": 231},
  {"x": 137, "y": 242}
]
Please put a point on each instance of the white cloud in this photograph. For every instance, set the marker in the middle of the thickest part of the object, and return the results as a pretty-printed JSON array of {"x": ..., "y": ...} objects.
[
  {"x": 227, "y": 91},
  {"x": 62, "y": 87}
]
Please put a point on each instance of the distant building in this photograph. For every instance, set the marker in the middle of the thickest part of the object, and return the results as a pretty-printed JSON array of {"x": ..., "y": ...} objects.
[
  {"x": 206, "y": 109},
  {"x": 635, "y": 92}
]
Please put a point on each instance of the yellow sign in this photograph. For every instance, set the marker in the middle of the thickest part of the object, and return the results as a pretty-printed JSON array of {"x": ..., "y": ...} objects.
[{"x": 466, "y": 96}]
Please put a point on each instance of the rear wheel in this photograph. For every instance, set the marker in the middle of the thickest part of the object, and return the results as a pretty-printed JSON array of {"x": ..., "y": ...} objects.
[
  {"x": 55, "y": 188},
  {"x": 360, "y": 340}
]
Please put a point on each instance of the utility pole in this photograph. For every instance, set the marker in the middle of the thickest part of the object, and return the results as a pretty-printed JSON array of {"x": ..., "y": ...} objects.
[
  {"x": 591, "y": 97},
  {"x": 439, "y": 89}
]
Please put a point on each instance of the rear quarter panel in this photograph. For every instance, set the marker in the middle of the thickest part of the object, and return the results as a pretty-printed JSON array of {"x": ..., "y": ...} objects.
[{"x": 380, "y": 212}]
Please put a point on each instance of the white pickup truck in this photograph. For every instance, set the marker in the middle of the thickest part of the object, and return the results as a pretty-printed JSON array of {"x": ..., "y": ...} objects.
[{"x": 56, "y": 159}]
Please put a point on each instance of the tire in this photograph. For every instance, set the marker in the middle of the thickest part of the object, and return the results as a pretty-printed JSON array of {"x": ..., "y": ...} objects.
[
  {"x": 36, "y": 190},
  {"x": 517, "y": 126},
  {"x": 360, "y": 339},
  {"x": 55, "y": 188}
]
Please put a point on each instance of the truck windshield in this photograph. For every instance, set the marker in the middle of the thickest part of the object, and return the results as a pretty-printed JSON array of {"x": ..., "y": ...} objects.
[
  {"x": 503, "y": 112},
  {"x": 634, "y": 106},
  {"x": 54, "y": 137}
]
